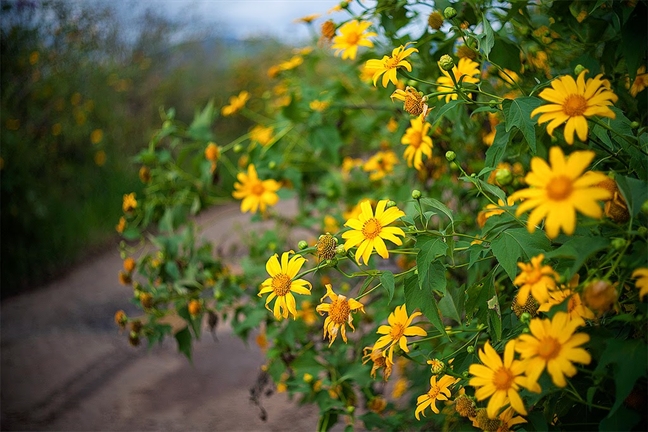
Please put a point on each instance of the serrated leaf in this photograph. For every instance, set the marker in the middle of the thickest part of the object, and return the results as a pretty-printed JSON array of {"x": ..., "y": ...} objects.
[
  {"x": 441, "y": 112},
  {"x": 518, "y": 244},
  {"x": 496, "y": 151},
  {"x": 451, "y": 304},
  {"x": 494, "y": 317},
  {"x": 634, "y": 191},
  {"x": 578, "y": 248},
  {"x": 184, "y": 341},
  {"x": 424, "y": 300},
  {"x": 438, "y": 205},
  {"x": 387, "y": 281},
  {"x": 518, "y": 114},
  {"x": 487, "y": 43}
]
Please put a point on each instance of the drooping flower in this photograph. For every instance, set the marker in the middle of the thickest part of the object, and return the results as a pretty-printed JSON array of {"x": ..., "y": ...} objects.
[
  {"x": 559, "y": 190},
  {"x": 389, "y": 64},
  {"x": 616, "y": 207},
  {"x": 369, "y": 231},
  {"x": 380, "y": 360},
  {"x": 553, "y": 345},
  {"x": 261, "y": 134},
  {"x": 535, "y": 279},
  {"x": 353, "y": 34},
  {"x": 640, "y": 82},
  {"x": 339, "y": 314},
  {"x": 377, "y": 404},
  {"x": 235, "y": 103},
  {"x": 417, "y": 141},
  {"x": 439, "y": 391},
  {"x": 129, "y": 202},
  {"x": 328, "y": 30},
  {"x": 498, "y": 379},
  {"x": 414, "y": 102},
  {"x": 282, "y": 283},
  {"x": 571, "y": 101},
  {"x": 466, "y": 68},
  {"x": 397, "y": 331},
  {"x": 380, "y": 164},
  {"x": 642, "y": 281},
  {"x": 256, "y": 194}
]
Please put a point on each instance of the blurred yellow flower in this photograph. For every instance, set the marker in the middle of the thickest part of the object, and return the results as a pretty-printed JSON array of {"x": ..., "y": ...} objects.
[
  {"x": 318, "y": 105},
  {"x": 575, "y": 307},
  {"x": 559, "y": 190},
  {"x": 493, "y": 121},
  {"x": 493, "y": 210},
  {"x": 640, "y": 82},
  {"x": 212, "y": 154},
  {"x": 353, "y": 34},
  {"x": 338, "y": 314},
  {"x": 307, "y": 313},
  {"x": 57, "y": 129},
  {"x": 466, "y": 68},
  {"x": 96, "y": 136},
  {"x": 129, "y": 203},
  {"x": 121, "y": 225},
  {"x": 236, "y": 103},
  {"x": 75, "y": 99},
  {"x": 417, "y": 141},
  {"x": 389, "y": 64},
  {"x": 280, "y": 285},
  {"x": 331, "y": 224},
  {"x": 348, "y": 163},
  {"x": 291, "y": 64},
  {"x": 307, "y": 19},
  {"x": 256, "y": 194},
  {"x": 33, "y": 58},
  {"x": 380, "y": 164},
  {"x": 261, "y": 134},
  {"x": 642, "y": 281},
  {"x": 400, "y": 388},
  {"x": 536, "y": 279},
  {"x": 100, "y": 158},
  {"x": 392, "y": 125},
  {"x": 380, "y": 360}
]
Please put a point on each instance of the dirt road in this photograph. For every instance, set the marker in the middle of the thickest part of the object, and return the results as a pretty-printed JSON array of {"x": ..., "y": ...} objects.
[{"x": 64, "y": 365}]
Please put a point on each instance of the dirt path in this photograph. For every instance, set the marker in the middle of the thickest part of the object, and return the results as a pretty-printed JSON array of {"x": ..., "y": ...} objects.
[{"x": 64, "y": 365}]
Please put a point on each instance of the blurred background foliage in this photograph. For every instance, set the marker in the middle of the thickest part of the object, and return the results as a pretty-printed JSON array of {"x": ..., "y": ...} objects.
[{"x": 82, "y": 88}]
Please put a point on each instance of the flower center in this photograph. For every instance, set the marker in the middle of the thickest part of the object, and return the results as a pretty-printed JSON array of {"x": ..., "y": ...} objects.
[
  {"x": 549, "y": 348},
  {"x": 281, "y": 284},
  {"x": 258, "y": 189},
  {"x": 392, "y": 62},
  {"x": 371, "y": 229},
  {"x": 434, "y": 392},
  {"x": 559, "y": 188},
  {"x": 533, "y": 276},
  {"x": 339, "y": 310},
  {"x": 416, "y": 139},
  {"x": 575, "y": 105},
  {"x": 397, "y": 332},
  {"x": 503, "y": 379},
  {"x": 352, "y": 38}
]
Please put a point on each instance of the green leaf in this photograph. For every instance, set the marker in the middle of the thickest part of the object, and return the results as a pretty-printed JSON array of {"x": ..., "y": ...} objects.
[
  {"x": 438, "y": 205},
  {"x": 327, "y": 142},
  {"x": 424, "y": 300},
  {"x": 486, "y": 187},
  {"x": 429, "y": 249},
  {"x": 200, "y": 128},
  {"x": 622, "y": 420},
  {"x": 487, "y": 44},
  {"x": 518, "y": 114},
  {"x": 494, "y": 316},
  {"x": 517, "y": 244},
  {"x": 387, "y": 281},
  {"x": 634, "y": 191},
  {"x": 496, "y": 152},
  {"x": 578, "y": 248},
  {"x": 451, "y": 304},
  {"x": 505, "y": 54},
  {"x": 440, "y": 112},
  {"x": 184, "y": 341}
]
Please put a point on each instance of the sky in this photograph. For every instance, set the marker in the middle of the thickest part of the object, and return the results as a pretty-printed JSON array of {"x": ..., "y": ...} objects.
[{"x": 248, "y": 18}]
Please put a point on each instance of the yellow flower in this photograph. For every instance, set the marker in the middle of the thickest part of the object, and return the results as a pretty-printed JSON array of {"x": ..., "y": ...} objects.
[
  {"x": 466, "y": 68},
  {"x": 368, "y": 230},
  {"x": 493, "y": 210},
  {"x": 96, "y": 136},
  {"x": 400, "y": 387},
  {"x": 339, "y": 314},
  {"x": 640, "y": 82},
  {"x": 395, "y": 333},
  {"x": 438, "y": 391},
  {"x": 559, "y": 190},
  {"x": 642, "y": 281},
  {"x": 318, "y": 105},
  {"x": 536, "y": 279},
  {"x": 121, "y": 226},
  {"x": 291, "y": 64},
  {"x": 235, "y": 103},
  {"x": 573, "y": 101},
  {"x": 100, "y": 158},
  {"x": 498, "y": 379},
  {"x": 307, "y": 19},
  {"x": 507, "y": 421},
  {"x": 414, "y": 102},
  {"x": 281, "y": 285},
  {"x": 380, "y": 360},
  {"x": 348, "y": 163},
  {"x": 261, "y": 134},
  {"x": 212, "y": 154},
  {"x": 377, "y": 404},
  {"x": 331, "y": 224},
  {"x": 575, "y": 307},
  {"x": 129, "y": 203},
  {"x": 307, "y": 313},
  {"x": 600, "y": 295},
  {"x": 256, "y": 194},
  {"x": 493, "y": 121},
  {"x": 553, "y": 345},
  {"x": 417, "y": 141},
  {"x": 380, "y": 164},
  {"x": 389, "y": 64},
  {"x": 353, "y": 34},
  {"x": 392, "y": 125},
  {"x": 194, "y": 307}
]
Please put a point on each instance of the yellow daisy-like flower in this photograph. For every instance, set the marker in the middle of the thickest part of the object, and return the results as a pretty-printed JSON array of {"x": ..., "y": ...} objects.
[
  {"x": 575, "y": 307},
  {"x": 414, "y": 102},
  {"x": 129, "y": 202},
  {"x": 121, "y": 226},
  {"x": 261, "y": 134},
  {"x": 493, "y": 210},
  {"x": 507, "y": 420},
  {"x": 417, "y": 141},
  {"x": 559, "y": 190},
  {"x": 256, "y": 194},
  {"x": 466, "y": 68},
  {"x": 291, "y": 64},
  {"x": 368, "y": 231},
  {"x": 438, "y": 391},
  {"x": 553, "y": 345},
  {"x": 498, "y": 379},
  {"x": 642, "y": 281},
  {"x": 573, "y": 101},
  {"x": 380, "y": 360},
  {"x": 536, "y": 279},
  {"x": 389, "y": 64},
  {"x": 640, "y": 82},
  {"x": 353, "y": 34},
  {"x": 281, "y": 285},
  {"x": 380, "y": 164},
  {"x": 395, "y": 333},
  {"x": 339, "y": 314},
  {"x": 235, "y": 103}
]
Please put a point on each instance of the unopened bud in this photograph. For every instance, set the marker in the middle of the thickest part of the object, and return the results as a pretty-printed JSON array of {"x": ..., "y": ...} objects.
[
  {"x": 272, "y": 165},
  {"x": 525, "y": 317},
  {"x": 644, "y": 207},
  {"x": 450, "y": 155},
  {"x": 618, "y": 243},
  {"x": 302, "y": 245},
  {"x": 340, "y": 251},
  {"x": 470, "y": 349},
  {"x": 578, "y": 69},
  {"x": 446, "y": 62},
  {"x": 390, "y": 204},
  {"x": 642, "y": 231},
  {"x": 503, "y": 177},
  {"x": 416, "y": 194},
  {"x": 238, "y": 148},
  {"x": 634, "y": 124},
  {"x": 449, "y": 12}
]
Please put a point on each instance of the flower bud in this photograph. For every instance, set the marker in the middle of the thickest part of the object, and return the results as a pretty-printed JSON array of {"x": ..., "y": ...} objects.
[
  {"x": 450, "y": 155},
  {"x": 302, "y": 245},
  {"x": 525, "y": 317},
  {"x": 238, "y": 148},
  {"x": 390, "y": 204},
  {"x": 272, "y": 165},
  {"x": 642, "y": 231},
  {"x": 503, "y": 176},
  {"x": 470, "y": 349},
  {"x": 340, "y": 251},
  {"x": 437, "y": 367},
  {"x": 416, "y": 194},
  {"x": 578, "y": 69},
  {"x": 644, "y": 207},
  {"x": 618, "y": 243},
  {"x": 446, "y": 62},
  {"x": 634, "y": 124},
  {"x": 449, "y": 12}
]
